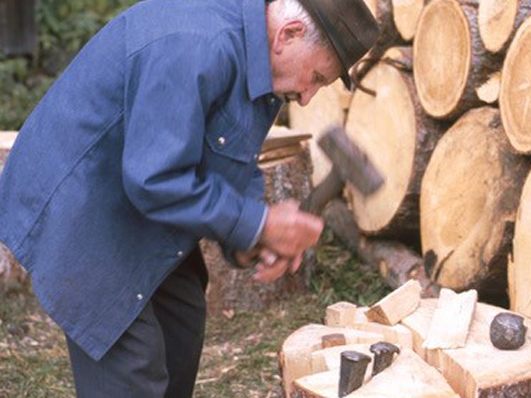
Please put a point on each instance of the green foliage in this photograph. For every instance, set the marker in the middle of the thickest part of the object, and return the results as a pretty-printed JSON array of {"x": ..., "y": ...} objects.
[
  {"x": 340, "y": 276},
  {"x": 64, "y": 27}
]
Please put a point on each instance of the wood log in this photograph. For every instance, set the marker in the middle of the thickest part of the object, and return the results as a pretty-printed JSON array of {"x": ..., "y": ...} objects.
[
  {"x": 407, "y": 377},
  {"x": 519, "y": 267},
  {"x": 395, "y": 306},
  {"x": 498, "y": 21},
  {"x": 233, "y": 289},
  {"x": 295, "y": 355},
  {"x": 450, "y": 60},
  {"x": 450, "y": 323},
  {"x": 468, "y": 203},
  {"x": 399, "y": 138},
  {"x": 12, "y": 275},
  {"x": 340, "y": 314},
  {"x": 406, "y": 14},
  {"x": 396, "y": 263},
  {"x": 478, "y": 370},
  {"x": 324, "y": 110},
  {"x": 515, "y": 90}
]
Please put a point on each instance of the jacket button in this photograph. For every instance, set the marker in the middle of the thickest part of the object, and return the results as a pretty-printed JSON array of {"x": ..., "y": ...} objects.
[
  {"x": 180, "y": 253},
  {"x": 272, "y": 100},
  {"x": 221, "y": 140},
  {"x": 255, "y": 156},
  {"x": 139, "y": 297}
]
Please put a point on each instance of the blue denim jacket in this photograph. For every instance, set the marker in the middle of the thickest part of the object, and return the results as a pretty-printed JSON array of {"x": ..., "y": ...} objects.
[{"x": 146, "y": 143}]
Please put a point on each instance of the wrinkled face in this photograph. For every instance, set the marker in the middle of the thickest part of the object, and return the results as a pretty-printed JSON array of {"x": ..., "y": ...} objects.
[{"x": 300, "y": 68}]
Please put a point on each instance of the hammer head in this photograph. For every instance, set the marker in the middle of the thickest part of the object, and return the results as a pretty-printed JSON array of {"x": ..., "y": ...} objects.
[{"x": 350, "y": 162}]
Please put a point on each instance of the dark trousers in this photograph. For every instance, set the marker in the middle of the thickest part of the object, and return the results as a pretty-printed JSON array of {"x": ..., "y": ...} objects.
[{"x": 158, "y": 355}]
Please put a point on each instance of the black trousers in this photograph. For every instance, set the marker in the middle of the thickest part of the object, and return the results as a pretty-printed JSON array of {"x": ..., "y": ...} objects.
[{"x": 158, "y": 355}]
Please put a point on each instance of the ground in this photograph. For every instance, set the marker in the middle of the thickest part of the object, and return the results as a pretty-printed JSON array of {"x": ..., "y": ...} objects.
[{"x": 240, "y": 354}]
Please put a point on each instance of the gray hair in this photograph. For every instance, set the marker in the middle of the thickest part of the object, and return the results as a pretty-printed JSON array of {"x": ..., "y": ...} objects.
[{"x": 292, "y": 9}]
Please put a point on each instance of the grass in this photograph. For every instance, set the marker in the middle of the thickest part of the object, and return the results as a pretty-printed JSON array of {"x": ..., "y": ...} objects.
[{"x": 240, "y": 354}]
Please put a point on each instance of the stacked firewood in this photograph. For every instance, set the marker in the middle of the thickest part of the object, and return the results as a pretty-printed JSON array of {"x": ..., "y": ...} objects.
[{"x": 442, "y": 108}]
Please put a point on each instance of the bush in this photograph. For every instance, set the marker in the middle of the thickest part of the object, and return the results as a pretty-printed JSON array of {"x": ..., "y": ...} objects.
[{"x": 64, "y": 27}]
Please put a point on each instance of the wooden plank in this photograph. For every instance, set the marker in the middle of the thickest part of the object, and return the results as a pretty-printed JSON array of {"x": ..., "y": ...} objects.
[{"x": 397, "y": 305}]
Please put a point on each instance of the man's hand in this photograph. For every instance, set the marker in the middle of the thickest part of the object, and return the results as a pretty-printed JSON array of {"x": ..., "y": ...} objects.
[
  {"x": 289, "y": 231},
  {"x": 270, "y": 267}
]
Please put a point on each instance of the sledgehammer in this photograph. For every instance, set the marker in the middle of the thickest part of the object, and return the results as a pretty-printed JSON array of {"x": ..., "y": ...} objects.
[{"x": 349, "y": 164}]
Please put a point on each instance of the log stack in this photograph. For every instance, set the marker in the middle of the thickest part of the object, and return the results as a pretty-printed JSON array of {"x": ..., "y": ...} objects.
[{"x": 447, "y": 122}]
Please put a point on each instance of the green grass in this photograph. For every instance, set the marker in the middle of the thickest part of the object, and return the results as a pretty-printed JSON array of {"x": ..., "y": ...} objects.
[{"x": 240, "y": 354}]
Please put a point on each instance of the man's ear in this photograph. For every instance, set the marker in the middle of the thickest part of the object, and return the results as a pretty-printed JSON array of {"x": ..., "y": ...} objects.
[{"x": 287, "y": 34}]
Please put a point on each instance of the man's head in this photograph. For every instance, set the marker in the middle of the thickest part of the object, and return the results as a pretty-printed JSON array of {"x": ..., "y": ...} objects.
[{"x": 312, "y": 43}]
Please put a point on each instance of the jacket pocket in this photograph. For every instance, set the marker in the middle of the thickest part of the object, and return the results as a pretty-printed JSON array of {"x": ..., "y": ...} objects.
[{"x": 226, "y": 137}]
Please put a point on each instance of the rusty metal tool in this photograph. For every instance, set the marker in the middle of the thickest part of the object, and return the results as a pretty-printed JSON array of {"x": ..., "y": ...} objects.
[
  {"x": 352, "y": 371},
  {"x": 349, "y": 164},
  {"x": 383, "y": 355}
]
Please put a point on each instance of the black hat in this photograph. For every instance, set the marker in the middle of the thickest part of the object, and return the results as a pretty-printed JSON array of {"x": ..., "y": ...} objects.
[{"x": 349, "y": 26}]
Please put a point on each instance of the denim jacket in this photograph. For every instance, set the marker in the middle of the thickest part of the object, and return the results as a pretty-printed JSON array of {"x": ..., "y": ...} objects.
[{"x": 146, "y": 143}]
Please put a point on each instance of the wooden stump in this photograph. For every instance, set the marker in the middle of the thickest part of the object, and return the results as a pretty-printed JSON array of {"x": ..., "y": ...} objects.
[
  {"x": 399, "y": 138},
  {"x": 233, "y": 289},
  {"x": 327, "y": 108},
  {"x": 468, "y": 203},
  {"x": 498, "y": 21},
  {"x": 519, "y": 272},
  {"x": 515, "y": 91},
  {"x": 450, "y": 60}
]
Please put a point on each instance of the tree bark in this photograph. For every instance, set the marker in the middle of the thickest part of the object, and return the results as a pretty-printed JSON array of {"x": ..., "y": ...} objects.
[
  {"x": 450, "y": 60},
  {"x": 468, "y": 203}
]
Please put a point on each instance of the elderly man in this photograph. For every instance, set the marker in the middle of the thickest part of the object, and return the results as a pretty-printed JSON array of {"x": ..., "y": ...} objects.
[{"x": 145, "y": 144}]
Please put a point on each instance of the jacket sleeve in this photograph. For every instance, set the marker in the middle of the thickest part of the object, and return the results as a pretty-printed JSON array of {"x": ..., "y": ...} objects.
[{"x": 171, "y": 86}]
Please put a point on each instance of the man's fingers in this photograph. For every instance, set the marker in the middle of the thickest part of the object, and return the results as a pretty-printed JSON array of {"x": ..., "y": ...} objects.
[
  {"x": 295, "y": 264},
  {"x": 270, "y": 273}
]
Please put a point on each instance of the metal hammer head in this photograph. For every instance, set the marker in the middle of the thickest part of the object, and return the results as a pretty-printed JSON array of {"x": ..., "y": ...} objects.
[{"x": 350, "y": 162}]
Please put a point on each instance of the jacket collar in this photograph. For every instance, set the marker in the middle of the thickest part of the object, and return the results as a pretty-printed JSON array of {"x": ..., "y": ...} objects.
[{"x": 259, "y": 80}]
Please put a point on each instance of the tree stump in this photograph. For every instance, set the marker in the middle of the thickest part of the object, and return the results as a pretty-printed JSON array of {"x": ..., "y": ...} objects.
[
  {"x": 399, "y": 138},
  {"x": 233, "y": 289},
  {"x": 450, "y": 60},
  {"x": 515, "y": 91},
  {"x": 469, "y": 196}
]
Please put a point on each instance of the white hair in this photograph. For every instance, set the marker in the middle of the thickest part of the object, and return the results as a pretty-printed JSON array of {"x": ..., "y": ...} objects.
[{"x": 292, "y": 9}]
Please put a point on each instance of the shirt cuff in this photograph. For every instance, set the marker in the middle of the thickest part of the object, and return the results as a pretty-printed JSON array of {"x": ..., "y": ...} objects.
[
  {"x": 260, "y": 228},
  {"x": 248, "y": 226}
]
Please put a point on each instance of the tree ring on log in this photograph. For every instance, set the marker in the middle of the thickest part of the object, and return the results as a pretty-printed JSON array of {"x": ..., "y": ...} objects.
[
  {"x": 515, "y": 91},
  {"x": 442, "y": 57}
]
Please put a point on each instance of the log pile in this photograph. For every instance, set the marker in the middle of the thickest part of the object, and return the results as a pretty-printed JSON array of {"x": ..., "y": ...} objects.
[
  {"x": 448, "y": 352},
  {"x": 446, "y": 120}
]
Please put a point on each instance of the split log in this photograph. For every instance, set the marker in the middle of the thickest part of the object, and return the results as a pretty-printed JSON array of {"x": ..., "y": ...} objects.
[
  {"x": 450, "y": 60},
  {"x": 399, "y": 138},
  {"x": 397, "y": 305},
  {"x": 295, "y": 355},
  {"x": 498, "y": 21},
  {"x": 519, "y": 267},
  {"x": 233, "y": 289},
  {"x": 450, "y": 323},
  {"x": 327, "y": 108},
  {"x": 396, "y": 263},
  {"x": 478, "y": 370},
  {"x": 407, "y": 377},
  {"x": 515, "y": 91},
  {"x": 396, "y": 334},
  {"x": 12, "y": 275},
  {"x": 468, "y": 203}
]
